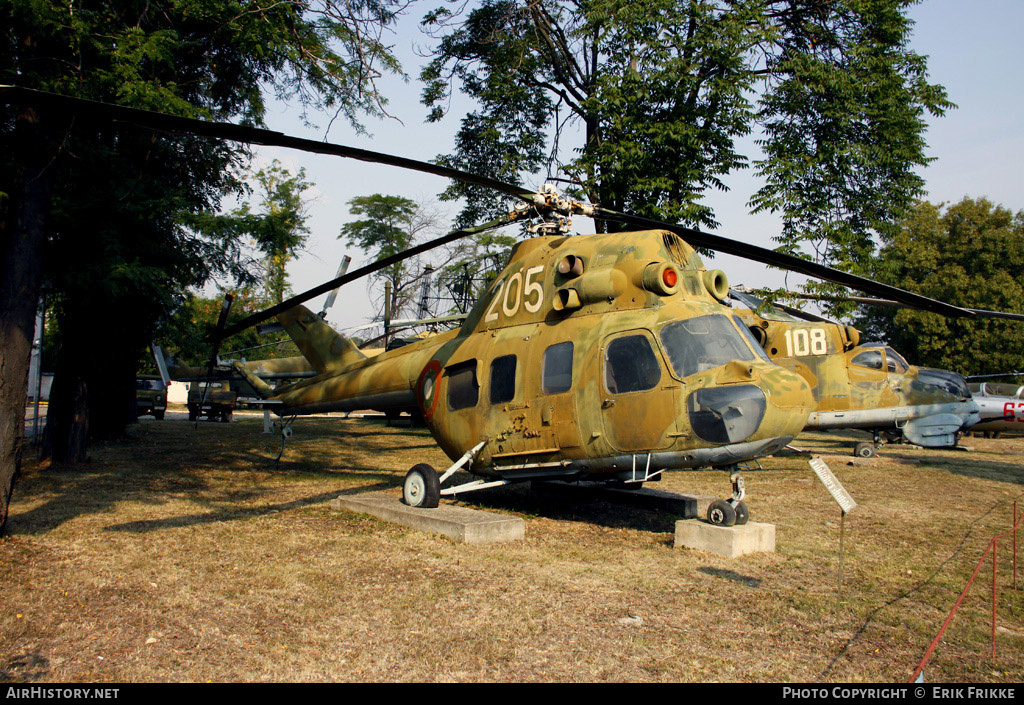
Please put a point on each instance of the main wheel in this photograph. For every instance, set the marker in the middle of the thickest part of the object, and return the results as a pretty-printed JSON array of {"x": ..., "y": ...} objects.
[
  {"x": 865, "y": 450},
  {"x": 721, "y": 513},
  {"x": 742, "y": 513},
  {"x": 422, "y": 487}
]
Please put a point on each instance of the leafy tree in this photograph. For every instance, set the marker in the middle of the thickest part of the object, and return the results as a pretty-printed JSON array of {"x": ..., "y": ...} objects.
[
  {"x": 280, "y": 230},
  {"x": 651, "y": 96},
  {"x": 972, "y": 255},
  {"x": 389, "y": 225},
  {"x": 186, "y": 331},
  {"x": 118, "y": 222}
]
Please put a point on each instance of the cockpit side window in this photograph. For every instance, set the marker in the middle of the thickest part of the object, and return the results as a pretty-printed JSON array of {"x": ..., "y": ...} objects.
[
  {"x": 630, "y": 365},
  {"x": 871, "y": 359}
]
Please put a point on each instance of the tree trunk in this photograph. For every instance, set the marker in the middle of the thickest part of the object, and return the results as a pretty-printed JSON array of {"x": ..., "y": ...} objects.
[
  {"x": 22, "y": 236},
  {"x": 66, "y": 438}
]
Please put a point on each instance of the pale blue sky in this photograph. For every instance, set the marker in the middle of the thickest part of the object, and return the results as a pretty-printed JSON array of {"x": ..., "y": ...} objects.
[{"x": 973, "y": 50}]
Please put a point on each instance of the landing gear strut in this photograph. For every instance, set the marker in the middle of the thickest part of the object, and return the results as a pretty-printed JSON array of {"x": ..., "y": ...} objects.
[{"x": 733, "y": 511}]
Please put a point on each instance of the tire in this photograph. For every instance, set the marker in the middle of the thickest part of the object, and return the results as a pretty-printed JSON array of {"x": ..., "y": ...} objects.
[
  {"x": 193, "y": 414},
  {"x": 742, "y": 513},
  {"x": 158, "y": 415},
  {"x": 865, "y": 450},
  {"x": 422, "y": 487},
  {"x": 721, "y": 513}
]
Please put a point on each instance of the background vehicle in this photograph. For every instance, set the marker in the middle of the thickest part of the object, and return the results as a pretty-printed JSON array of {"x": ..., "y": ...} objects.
[
  {"x": 214, "y": 400},
  {"x": 150, "y": 396}
]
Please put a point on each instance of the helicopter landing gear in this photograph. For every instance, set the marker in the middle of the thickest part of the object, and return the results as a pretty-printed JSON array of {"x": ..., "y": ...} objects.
[
  {"x": 422, "y": 487},
  {"x": 865, "y": 450},
  {"x": 286, "y": 433},
  {"x": 721, "y": 513},
  {"x": 733, "y": 511}
]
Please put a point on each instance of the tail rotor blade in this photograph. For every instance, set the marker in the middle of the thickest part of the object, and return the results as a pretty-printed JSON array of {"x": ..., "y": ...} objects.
[{"x": 342, "y": 268}]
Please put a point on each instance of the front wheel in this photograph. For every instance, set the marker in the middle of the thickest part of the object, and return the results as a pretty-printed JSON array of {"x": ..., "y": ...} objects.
[
  {"x": 742, "y": 513},
  {"x": 721, "y": 513},
  {"x": 421, "y": 488},
  {"x": 865, "y": 450}
]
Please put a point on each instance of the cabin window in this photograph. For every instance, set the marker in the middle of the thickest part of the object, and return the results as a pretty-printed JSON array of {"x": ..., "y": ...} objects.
[
  {"x": 556, "y": 370},
  {"x": 630, "y": 365},
  {"x": 872, "y": 359},
  {"x": 697, "y": 344},
  {"x": 463, "y": 389},
  {"x": 503, "y": 379}
]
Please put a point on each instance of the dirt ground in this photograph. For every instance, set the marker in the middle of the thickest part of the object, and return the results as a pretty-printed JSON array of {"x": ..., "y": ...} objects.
[{"x": 191, "y": 554}]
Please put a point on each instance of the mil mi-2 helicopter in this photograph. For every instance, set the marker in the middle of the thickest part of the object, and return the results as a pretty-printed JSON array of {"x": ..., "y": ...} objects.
[
  {"x": 608, "y": 357},
  {"x": 856, "y": 385}
]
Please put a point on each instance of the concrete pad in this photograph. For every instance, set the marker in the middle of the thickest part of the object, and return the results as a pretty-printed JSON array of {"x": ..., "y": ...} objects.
[
  {"x": 463, "y": 524},
  {"x": 725, "y": 541},
  {"x": 686, "y": 506}
]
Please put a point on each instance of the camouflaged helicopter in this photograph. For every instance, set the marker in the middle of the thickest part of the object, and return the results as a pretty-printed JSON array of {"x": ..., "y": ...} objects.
[
  {"x": 867, "y": 386},
  {"x": 608, "y": 357},
  {"x": 584, "y": 360}
]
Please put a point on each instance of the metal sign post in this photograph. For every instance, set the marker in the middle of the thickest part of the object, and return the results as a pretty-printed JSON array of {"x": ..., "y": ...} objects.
[{"x": 845, "y": 502}]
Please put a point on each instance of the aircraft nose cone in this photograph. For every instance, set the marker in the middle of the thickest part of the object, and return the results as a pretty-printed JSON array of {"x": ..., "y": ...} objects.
[{"x": 790, "y": 402}]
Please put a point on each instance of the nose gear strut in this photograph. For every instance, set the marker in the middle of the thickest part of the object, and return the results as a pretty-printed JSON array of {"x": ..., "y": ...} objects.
[{"x": 733, "y": 511}]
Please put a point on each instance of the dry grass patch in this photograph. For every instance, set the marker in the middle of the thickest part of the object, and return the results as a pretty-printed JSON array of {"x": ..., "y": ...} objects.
[{"x": 184, "y": 554}]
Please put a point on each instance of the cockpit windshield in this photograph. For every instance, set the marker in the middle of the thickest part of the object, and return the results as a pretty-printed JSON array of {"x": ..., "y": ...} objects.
[
  {"x": 872, "y": 359},
  {"x": 946, "y": 380},
  {"x": 697, "y": 344}
]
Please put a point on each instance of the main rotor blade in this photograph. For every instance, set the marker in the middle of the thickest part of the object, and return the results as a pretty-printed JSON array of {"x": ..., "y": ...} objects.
[
  {"x": 254, "y": 135},
  {"x": 889, "y": 303},
  {"x": 247, "y": 135},
  {"x": 358, "y": 274}
]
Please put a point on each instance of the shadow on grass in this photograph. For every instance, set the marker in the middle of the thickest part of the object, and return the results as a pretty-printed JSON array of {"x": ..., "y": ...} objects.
[
  {"x": 26, "y": 668},
  {"x": 234, "y": 514},
  {"x": 731, "y": 575},
  {"x": 157, "y": 463},
  {"x": 982, "y": 464},
  {"x": 582, "y": 504}
]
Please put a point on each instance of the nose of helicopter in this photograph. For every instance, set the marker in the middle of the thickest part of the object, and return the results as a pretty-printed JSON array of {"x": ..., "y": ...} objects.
[
  {"x": 971, "y": 414},
  {"x": 771, "y": 402},
  {"x": 950, "y": 390},
  {"x": 790, "y": 397}
]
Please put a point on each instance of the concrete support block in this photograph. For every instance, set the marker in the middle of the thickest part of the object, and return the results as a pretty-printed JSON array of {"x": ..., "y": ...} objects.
[
  {"x": 725, "y": 541},
  {"x": 685, "y": 506},
  {"x": 465, "y": 525}
]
